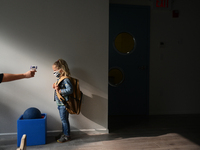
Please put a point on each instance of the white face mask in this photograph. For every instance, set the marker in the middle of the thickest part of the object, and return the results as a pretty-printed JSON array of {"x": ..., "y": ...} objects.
[{"x": 57, "y": 73}]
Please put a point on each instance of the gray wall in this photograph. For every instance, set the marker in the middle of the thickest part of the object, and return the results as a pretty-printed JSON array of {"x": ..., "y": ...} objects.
[
  {"x": 39, "y": 33},
  {"x": 175, "y": 72},
  {"x": 174, "y": 67}
]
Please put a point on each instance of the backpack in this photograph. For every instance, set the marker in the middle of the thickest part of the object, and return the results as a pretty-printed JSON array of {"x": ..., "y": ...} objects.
[{"x": 73, "y": 105}]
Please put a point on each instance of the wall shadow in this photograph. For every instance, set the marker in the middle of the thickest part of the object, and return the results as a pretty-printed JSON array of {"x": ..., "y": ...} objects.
[{"x": 94, "y": 108}]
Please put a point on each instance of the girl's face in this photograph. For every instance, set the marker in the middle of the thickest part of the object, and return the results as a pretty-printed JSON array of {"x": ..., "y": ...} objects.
[
  {"x": 57, "y": 72},
  {"x": 55, "y": 68}
]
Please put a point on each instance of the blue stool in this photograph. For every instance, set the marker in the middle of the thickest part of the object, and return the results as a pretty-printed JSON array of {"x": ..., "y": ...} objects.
[{"x": 35, "y": 130}]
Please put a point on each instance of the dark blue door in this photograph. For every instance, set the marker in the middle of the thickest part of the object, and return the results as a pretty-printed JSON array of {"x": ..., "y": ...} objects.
[{"x": 129, "y": 60}]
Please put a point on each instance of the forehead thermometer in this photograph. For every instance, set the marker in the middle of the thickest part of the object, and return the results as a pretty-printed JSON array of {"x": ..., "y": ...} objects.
[{"x": 33, "y": 67}]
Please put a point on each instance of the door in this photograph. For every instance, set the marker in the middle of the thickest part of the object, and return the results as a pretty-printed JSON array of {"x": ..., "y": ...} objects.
[{"x": 128, "y": 60}]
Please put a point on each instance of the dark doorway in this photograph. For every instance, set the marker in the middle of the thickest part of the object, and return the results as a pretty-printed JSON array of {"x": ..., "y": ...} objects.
[{"x": 129, "y": 30}]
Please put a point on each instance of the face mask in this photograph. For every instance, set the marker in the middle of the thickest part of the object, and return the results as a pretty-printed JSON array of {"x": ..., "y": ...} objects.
[{"x": 57, "y": 73}]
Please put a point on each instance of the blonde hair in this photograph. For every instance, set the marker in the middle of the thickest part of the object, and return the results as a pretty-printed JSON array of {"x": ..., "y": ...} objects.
[{"x": 62, "y": 64}]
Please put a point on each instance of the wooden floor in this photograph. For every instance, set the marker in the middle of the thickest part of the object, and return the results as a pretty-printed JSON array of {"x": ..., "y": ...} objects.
[{"x": 175, "y": 132}]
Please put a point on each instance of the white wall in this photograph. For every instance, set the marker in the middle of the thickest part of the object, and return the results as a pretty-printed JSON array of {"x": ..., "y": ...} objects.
[
  {"x": 174, "y": 68},
  {"x": 40, "y": 32}
]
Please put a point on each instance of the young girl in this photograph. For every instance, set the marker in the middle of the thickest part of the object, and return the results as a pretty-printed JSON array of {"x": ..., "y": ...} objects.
[{"x": 60, "y": 69}]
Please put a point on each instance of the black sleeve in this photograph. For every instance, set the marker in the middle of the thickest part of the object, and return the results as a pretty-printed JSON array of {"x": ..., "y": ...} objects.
[{"x": 1, "y": 77}]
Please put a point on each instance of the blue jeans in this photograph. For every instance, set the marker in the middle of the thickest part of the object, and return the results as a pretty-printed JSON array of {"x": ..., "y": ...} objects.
[{"x": 64, "y": 116}]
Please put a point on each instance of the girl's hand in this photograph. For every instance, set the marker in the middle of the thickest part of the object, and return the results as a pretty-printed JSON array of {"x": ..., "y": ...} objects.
[
  {"x": 57, "y": 88},
  {"x": 53, "y": 86}
]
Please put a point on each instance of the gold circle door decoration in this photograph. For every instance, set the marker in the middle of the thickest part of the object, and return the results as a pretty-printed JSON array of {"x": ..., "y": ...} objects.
[
  {"x": 124, "y": 43},
  {"x": 116, "y": 77}
]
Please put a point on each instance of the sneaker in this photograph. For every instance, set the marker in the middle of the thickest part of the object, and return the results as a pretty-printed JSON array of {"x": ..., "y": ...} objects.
[
  {"x": 63, "y": 139},
  {"x": 59, "y": 136}
]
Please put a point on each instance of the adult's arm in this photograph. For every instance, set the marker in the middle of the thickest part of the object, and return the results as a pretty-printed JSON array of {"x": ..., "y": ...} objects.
[{"x": 11, "y": 77}]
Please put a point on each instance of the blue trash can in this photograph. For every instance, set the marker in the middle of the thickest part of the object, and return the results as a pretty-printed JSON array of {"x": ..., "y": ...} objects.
[{"x": 35, "y": 130}]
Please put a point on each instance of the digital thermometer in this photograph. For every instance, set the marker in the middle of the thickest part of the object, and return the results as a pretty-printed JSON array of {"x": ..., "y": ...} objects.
[{"x": 33, "y": 67}]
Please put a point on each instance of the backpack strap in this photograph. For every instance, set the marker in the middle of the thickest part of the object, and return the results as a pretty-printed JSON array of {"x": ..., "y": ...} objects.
[
  {"x": 61, "y": 78},
  {"x": 58, "y": 94}
]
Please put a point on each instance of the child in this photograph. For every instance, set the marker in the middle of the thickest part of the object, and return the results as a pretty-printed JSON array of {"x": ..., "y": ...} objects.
[{"x": 60, "y": 69}]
